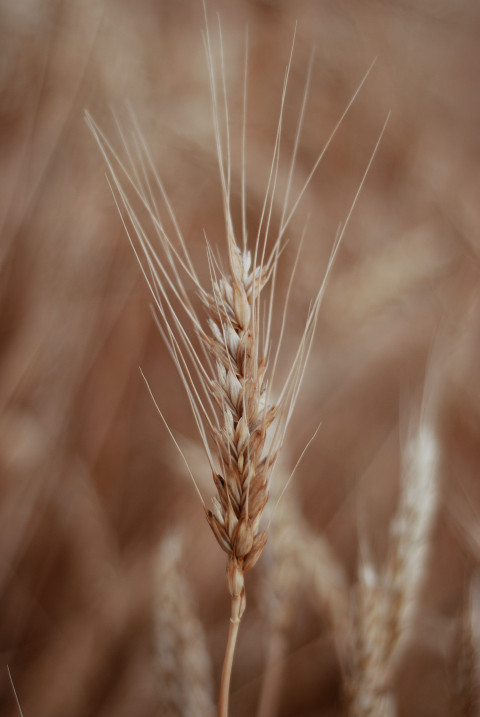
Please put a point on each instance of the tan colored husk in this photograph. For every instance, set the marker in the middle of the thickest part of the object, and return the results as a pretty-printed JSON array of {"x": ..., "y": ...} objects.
[{"x": 239, "y": 389}]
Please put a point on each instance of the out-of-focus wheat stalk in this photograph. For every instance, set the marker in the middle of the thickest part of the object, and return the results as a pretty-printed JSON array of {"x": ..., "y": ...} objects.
[
  {"x": 387, "y": 600},
  {"x": 299, "y": 562},
  {"x": 464, "y": 658},
  {"x": 464, "y": 667},
  {"x": 184, "y": 680}
]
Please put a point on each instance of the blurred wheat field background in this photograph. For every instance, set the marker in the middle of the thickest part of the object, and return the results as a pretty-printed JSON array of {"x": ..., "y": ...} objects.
[{"x": 99, "y": 523}]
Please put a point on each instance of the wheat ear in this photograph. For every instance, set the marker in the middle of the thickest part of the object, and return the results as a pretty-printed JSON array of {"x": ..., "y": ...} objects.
[
  {"x": 388, "y": 599},
  {"x": 228, "y": 362}
]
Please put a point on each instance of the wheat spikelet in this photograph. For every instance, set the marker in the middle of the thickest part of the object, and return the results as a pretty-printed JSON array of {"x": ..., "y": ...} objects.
[
  {"x": 412, "y": 525},
  {"x": 373, "y": 644},
  {"x": 242, "y": 485},
  {"x": 181, "y": 658},
  {"x": 386, "y": 600}
]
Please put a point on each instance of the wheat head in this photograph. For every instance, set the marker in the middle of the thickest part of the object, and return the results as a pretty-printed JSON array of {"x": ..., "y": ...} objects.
[
  {"x": 386, "y": 602},
  {"x": 227, "y": 360}
]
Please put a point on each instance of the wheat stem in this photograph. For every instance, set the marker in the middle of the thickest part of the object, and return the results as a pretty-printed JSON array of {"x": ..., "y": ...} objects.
[{"x": 236, "y": 616}]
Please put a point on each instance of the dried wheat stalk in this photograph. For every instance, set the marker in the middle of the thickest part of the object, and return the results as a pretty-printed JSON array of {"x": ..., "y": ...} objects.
[
  {"x": 227, "y": 362},
  {"x": 387, "y": 600}
]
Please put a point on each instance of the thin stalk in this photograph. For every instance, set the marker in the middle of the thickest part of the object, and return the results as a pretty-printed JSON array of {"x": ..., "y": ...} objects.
[
  {"x": 229, "y": 653},
  {"x": 272, "y": 679}
]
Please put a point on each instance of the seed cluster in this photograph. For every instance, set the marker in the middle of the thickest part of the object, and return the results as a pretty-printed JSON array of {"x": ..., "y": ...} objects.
[{"x": 239, "y": 390}]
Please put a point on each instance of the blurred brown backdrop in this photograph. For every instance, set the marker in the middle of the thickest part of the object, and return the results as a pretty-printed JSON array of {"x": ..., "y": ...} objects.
[{"x": 90, "y": 480}]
